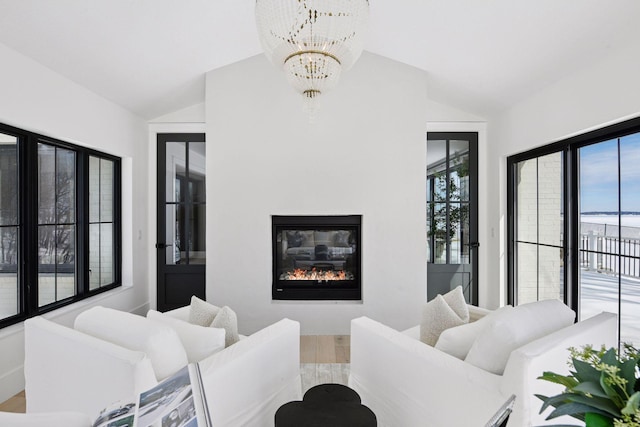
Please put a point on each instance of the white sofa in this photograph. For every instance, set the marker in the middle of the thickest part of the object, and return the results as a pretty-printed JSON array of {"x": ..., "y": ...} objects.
[
  {"x": 408, "y": 383},
  {"x": 69, "y": 370}
]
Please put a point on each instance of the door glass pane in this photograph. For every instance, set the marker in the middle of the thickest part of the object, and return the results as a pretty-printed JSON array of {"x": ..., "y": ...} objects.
[
  {"x": 527, "y": 272},
  {"x": 550, "y": 208},
  {"x": 527, "y": 201},
  {"x": 197, "y": 172},
  {"x": 438, "y": 232},
  {"x": 9, "y": 248},
  {"x": 197, "y": 243},
  {"x": 630, "y": 239},
  {"x": 598, "y": 228},
  {"x": 550, "y": 270},
  {"x": 174, "y": 232},
  {"x": 176, "y": 163}
]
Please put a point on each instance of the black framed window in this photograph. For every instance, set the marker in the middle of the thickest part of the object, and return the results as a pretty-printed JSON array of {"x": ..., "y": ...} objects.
[
  {"x": 59, "y": 223},
  {"x": 574, "y": 225}
]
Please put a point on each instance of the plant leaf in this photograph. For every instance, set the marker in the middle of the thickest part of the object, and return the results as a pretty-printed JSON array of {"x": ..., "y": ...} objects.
[
  {"x": 601, "y": 403},
  {"x": 628, "y": 372},
  {"x": 574, "y": 410},
  {"x": 567, "y": 381},
  {"x": 596, "y": 420},
  {"x": 610, "y": 357},
  {"x": 591, "y": 387},
  {"x": 585, "y": 372},
  {"x": 632, "y": 404},
  {"x": 554, "y": 401},
  {"x": 611, "y": 392}
]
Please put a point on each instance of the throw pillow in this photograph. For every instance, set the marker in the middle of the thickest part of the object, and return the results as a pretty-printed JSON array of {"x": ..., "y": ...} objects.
[
  {"x": 457, "y": 341},
  {"x": 227, "y": 320},
  {"x": 199, "y": 341},
  {"x": 437, "y": 316},
  {"x": 159, "y": 342},
  {"x": 294, "y": 239},
  {"x": 455, "y": 299},
  {"x": 201, "y": 312},
  {"x": 519, "y": 326}
]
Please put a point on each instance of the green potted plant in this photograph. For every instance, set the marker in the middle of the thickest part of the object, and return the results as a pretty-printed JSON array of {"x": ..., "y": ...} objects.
[{"x": 602, "y": 389}]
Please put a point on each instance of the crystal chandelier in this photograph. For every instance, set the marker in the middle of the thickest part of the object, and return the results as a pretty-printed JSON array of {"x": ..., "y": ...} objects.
[{"x": 313, "y": 40}]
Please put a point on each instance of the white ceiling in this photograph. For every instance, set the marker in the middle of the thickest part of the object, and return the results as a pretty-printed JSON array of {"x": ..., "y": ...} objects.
[{"x": 150, "y": 56}]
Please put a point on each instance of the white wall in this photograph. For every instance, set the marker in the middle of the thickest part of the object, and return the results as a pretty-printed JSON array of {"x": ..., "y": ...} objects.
[
  {"x": 36, "y": 99},
  {"x": 366, "y": 154},
  {"x": 602, "y": 94}
]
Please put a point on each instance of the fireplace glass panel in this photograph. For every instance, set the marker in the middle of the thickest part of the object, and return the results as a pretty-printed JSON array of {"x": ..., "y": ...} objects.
[{"x": 316, "y": 258}]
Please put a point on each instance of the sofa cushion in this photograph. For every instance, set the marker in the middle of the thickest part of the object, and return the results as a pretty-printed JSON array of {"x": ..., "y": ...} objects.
[
  {"x": 519, "y": 326},
  {"x": 201, "y": 312},
  {"x": 228, "y": 321},
  {"x": 457, "y": 341},
  {"x": 159, "y": 342},
  {"x": 198, "y": 341},
  {"x": 437, "y": 316}
]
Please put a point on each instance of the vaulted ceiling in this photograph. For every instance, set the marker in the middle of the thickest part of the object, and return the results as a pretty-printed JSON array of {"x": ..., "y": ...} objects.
[{"x": 150, "y": 56}]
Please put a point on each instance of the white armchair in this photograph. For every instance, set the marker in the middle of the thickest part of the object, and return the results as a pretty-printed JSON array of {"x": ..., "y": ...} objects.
[{"x": 408, "y": 383}]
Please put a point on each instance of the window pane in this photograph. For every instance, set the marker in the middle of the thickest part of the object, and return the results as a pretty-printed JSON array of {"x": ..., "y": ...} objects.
[
  {"x": 8, "y": 180},
  {"x": 94, "y": 256},
  {"x": 94, "y": 189},
  {"x": 46, "y": 184},
  {"x": 106, "y": 254},
  {"x": 9, "y": 296},
  {"x": 65, "y": 186},
  {"x": 106, "y": 190},
  {"x": 438, "y": 230}
]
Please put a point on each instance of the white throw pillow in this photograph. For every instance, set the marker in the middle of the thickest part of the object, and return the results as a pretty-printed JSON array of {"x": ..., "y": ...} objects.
[
  {"x": 455, "y": 299},
  {"x": 437, "y": 316},
  {"x": 227, "y": 320},
  {"x": 159, "y": 342},
  {"x": 201, "y": 312},
  {"x": 198, "y": 341},
  {"x": 457, "y": 341},
  {"x": 519, "y": 326}
]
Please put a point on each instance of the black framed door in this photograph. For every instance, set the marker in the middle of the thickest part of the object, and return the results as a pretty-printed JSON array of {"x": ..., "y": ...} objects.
[
  {"x": 452, "y": 213},
  {"x": 181, "y": 209}
]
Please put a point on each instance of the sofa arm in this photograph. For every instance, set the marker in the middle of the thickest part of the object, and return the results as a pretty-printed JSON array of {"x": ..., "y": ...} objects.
[
  {"x": 247, "y": 382},
  {"x": 47, "y": 419},
  {"x": 67, "y": 370},
  {"x": 550, "y": 353},
  {"x": 408, "y": 383}
]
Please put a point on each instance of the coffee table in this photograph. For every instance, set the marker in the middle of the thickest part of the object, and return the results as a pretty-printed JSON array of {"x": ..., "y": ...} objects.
[{"x": 326, "y": 405}]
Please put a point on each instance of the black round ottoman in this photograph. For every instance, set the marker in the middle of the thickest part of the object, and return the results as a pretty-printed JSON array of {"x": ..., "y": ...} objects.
[{"x": 326, "y": 405}]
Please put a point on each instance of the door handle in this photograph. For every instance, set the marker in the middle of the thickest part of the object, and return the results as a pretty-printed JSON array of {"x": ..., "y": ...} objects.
[
  {"x": 473, "y": 245},
  {"x": 163, "y": 245}
]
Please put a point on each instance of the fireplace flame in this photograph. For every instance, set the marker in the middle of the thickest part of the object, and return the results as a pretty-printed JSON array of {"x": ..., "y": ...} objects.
[{"x": 319, "y": 275}]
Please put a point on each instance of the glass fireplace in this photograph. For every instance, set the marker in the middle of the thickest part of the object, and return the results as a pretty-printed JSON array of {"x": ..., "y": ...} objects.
[{"x": 316, "y": 257}]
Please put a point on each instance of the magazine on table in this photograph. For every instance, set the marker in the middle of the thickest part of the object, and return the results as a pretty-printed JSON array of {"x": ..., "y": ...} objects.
[{"x": 178, "y": 401}]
